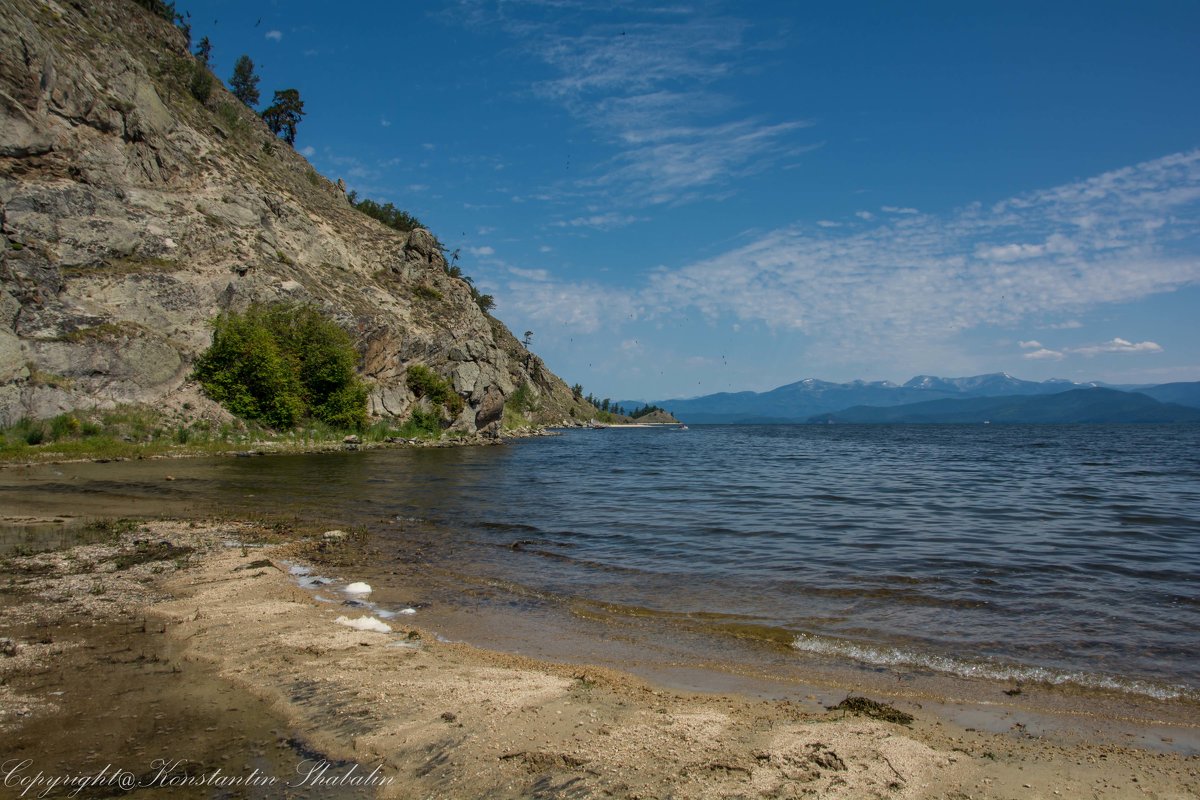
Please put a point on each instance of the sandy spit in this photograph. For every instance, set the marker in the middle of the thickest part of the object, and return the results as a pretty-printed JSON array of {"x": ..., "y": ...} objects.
[{"x": 431, "y": 719}]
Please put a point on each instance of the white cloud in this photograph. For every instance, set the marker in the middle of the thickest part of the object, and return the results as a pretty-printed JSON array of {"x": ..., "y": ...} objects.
[
  {"x": 1069, "y": 325},
  {"x": 275, "y": 36},
  {"x": 530, "y": 274},
  {"x": 1044, "y": 355},
  {"x": 385, "y": 123},
  {"x": 582, "y": 307},
  {"x": 1055, "y": 244},
  {"x": 919, "y": 282},
  {"x": 481, "y": 251},
  {"x": 600, "y": 221},
  {"x": 826, "y": 223},
  {"x": 1032, "y": 344},
  {"x": 1118, "y": 345},
  {"x": 648, "y": 84},
  {"x": 865, "y": 215},
  {"x": 545, "y": 249},
  {"x": 898, "y": 210},
  {"x": 308, "y": 152}
]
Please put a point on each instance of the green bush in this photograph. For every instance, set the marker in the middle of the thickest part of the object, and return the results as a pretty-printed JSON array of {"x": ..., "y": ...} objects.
[
  {"x": 32, "y": 431},
  {"x": 422, "y": 424},
  {"x": 64, "y": 425},
  {"x": 282, "y": 363},
  {"x": 387, "y": 213},
  {"x": 201, "y": 84},
  {"x": 426, "y": 383}
]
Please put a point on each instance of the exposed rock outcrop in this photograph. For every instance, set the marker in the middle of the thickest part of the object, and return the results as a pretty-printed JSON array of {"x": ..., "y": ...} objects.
[{"x": 132, "y": 214}]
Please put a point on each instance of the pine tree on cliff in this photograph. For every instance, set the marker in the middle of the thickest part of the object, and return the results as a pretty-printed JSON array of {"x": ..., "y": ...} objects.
[
  {"x": 284, "y": 114},
  {"x": 244, "y": 83},
  {"x": 204, "y": 51}
]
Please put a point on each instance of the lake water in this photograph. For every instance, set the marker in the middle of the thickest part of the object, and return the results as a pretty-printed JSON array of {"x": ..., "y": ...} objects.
[{"x": 1063, "y": 554}]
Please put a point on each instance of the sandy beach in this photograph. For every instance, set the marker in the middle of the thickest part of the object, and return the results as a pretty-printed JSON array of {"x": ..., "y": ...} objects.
[{"x": 182, "y": 654}]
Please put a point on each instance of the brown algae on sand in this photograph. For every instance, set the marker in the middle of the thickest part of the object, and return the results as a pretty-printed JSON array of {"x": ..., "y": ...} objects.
[{"x": 866, "y": 707}]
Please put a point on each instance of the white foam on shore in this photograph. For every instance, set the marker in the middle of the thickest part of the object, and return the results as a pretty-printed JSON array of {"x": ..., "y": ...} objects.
[
  {"x": 357, "y": 590},
  {"x": 365, "y": 624},
  {"x": 883, "y": 655}
]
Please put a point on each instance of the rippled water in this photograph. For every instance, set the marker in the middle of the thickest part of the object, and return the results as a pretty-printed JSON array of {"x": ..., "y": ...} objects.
[
  {"x": 1064, "y": 554},
  {"x": 1052, "y": 553}
]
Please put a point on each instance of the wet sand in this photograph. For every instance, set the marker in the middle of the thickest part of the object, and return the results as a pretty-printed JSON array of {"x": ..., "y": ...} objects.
[{"x": 191, "y": 646}]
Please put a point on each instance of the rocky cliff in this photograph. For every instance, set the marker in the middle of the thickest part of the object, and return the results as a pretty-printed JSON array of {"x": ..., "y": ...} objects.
[{"x": 132, "y": 214}]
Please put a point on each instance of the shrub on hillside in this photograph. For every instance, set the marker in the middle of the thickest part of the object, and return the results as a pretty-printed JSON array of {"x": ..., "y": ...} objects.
[
  {"x": 282, "y": 363},
  {"x": 426, "y": 383}
]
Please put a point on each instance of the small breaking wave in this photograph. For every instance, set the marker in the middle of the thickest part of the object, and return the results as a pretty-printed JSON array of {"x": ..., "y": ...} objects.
[{"x": 888, "y": 656}]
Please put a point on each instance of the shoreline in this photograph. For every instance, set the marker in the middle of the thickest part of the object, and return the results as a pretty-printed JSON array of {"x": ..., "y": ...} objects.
[
  {"x": 268, "y": 447},
  {"x": 451, "y": 720}
]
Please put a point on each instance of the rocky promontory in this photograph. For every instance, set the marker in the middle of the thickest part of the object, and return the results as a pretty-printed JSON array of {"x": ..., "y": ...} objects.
[{"x": 133, "y": 213}]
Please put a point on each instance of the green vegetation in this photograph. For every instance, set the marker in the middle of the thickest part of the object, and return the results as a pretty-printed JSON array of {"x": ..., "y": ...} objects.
[
  {"x": 201, "y": 83},
  {"x": 516, "y": 405},
  {"x": 644, "y": 410},
  {"x": 426, "y": 383},
  {"x": 39, "y": 378},
  {"x": 387, "y": 213},
  {"x": 420, "y": 425},
  {"x": 605, "y": 406},
  {"x": 426, "y": 292},
  {"x": 204, "y": 52},
  {"x": 104, "y": 331},
  {"x": 114, "y": 267},
  {"x": 141, "y": 432},
  {"x": 284, "y": 114},
  {"x": 123, "y": 432},
  {"x": 164, "y": 10},
  {"x": 244, "y": 83},
  {"x": 281, "y": 364}
]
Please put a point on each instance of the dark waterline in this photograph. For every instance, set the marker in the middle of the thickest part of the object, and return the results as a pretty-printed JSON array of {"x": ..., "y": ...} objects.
[{"x": 1063, "y": 554}]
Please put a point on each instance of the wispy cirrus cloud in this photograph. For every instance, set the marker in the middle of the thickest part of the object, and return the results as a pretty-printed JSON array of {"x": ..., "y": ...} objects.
[
  {"x": 920, "y": 280},
  {"x": 649, "y": 85},
  {"x": 604, "y": 222}
]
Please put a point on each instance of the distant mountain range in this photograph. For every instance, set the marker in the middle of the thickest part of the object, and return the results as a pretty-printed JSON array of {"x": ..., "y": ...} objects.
[
  {"x": 814, "y": 400},
  {"x": 1072, "y": 406}
]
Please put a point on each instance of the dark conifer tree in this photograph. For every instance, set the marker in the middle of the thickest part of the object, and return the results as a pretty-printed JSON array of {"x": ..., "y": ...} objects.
[{"x": 244, "y": 83}]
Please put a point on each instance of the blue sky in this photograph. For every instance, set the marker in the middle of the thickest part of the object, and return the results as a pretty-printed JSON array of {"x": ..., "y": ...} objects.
[{"x": 680, "y": 198}]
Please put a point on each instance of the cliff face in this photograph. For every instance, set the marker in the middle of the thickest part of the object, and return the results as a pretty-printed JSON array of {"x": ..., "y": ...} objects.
[{"x": 132, "y": 214}]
